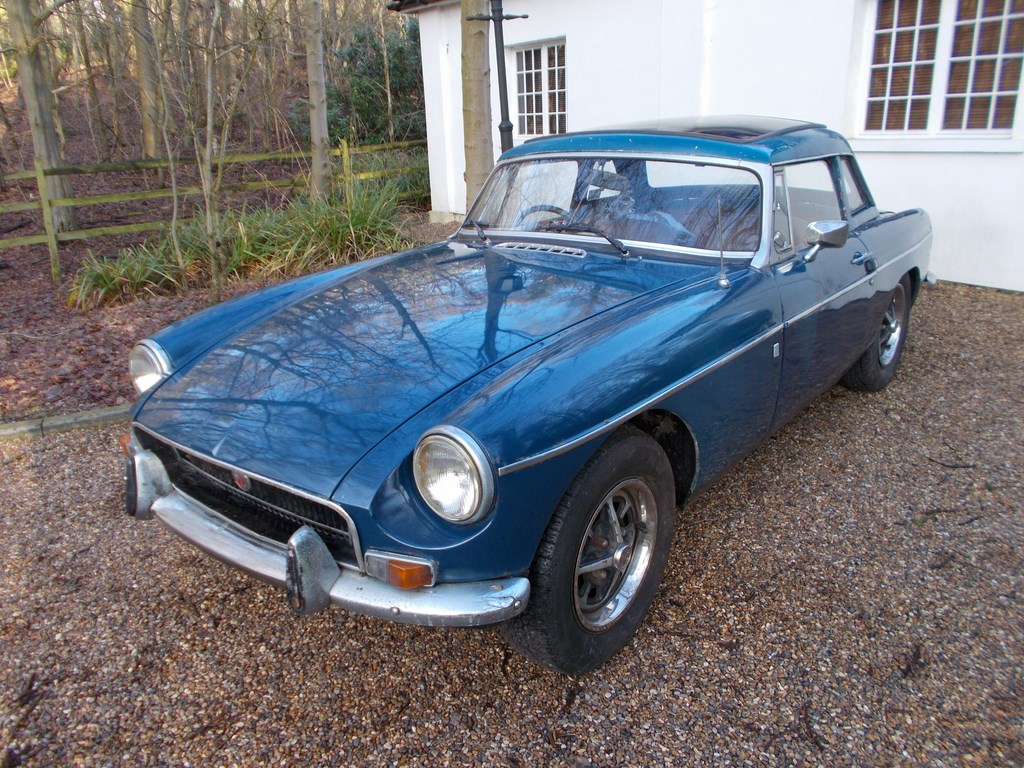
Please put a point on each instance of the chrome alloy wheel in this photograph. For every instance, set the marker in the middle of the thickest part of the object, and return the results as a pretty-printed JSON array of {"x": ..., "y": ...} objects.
[
  {"x": 615, "y": 554},
  {"x": 892, "y": 326}
]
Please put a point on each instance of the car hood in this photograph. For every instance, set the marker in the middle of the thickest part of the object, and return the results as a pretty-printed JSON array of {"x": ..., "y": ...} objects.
[{"x": 303, "y": 394}]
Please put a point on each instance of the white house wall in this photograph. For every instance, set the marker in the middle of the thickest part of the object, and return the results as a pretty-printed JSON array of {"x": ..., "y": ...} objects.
[{"x": 802, "y": 58}]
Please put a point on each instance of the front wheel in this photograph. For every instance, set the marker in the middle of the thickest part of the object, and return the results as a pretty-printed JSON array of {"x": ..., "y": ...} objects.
[
  {"x": 877, "y": 366},
  {"x": 601, "y": 559}
]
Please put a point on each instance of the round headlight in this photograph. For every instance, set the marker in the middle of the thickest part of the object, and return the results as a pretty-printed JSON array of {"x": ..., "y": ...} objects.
[
  {"x": 453, "y": 475},
  {"x": 148, "y": 365}
]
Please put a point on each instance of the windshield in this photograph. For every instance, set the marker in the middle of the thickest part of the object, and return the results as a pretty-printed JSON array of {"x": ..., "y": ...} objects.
[{"x": 658, "y": 202}]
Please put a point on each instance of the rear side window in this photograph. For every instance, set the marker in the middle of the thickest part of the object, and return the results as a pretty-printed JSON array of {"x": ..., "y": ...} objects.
[{"x": 855, "y": 197}]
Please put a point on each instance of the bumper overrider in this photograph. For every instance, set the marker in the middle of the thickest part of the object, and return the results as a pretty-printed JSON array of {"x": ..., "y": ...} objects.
[{"x": 304, "y": 566}]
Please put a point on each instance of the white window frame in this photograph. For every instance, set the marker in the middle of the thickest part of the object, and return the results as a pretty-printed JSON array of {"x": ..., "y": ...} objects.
[
  {"x": 934, "y": 138},
  {"x": 544, "y": 46}
]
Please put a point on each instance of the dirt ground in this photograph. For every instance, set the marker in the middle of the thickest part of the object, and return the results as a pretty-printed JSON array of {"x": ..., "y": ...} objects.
[{"x": 851, "y": 594}]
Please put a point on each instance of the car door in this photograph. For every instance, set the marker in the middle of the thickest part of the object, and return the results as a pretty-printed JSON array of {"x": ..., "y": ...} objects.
[{"x": 825, "y": 290}]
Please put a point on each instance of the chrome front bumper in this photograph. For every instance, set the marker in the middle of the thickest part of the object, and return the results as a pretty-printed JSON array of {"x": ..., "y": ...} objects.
[{"x": 306, "y": 569}]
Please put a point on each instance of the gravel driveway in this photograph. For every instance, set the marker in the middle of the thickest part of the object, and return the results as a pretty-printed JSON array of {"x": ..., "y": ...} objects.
[{"x": 850, "y": 594}]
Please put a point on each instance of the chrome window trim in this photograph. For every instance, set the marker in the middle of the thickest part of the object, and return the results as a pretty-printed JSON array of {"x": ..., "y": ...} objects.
[
  {"x": 636, "y": 410},
  {"x": 353, "y": 531},
  {"x": 758, "y": 258}
]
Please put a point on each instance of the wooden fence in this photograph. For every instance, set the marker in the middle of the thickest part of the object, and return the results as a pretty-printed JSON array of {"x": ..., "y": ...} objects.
[{"x": 347, "y": 176}]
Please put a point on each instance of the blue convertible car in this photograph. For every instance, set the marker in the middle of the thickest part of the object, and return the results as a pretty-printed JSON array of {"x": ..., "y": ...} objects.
[{"x": 500, "y": 427}]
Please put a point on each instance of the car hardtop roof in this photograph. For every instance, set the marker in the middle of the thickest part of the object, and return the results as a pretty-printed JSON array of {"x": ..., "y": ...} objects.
[{"x": 734, "y": 137}]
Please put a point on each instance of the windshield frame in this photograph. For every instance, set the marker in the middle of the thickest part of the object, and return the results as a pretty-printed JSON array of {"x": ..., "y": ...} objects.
[{"x": 762, "y": 172}]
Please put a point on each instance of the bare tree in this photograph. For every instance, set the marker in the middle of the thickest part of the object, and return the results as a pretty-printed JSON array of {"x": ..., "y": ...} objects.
[
  {"x": 148, "y": 77},
  {"x": 320, "y": 172},
  {"x": 476, "y": 98},
  {"x": 36, "y": 82}
]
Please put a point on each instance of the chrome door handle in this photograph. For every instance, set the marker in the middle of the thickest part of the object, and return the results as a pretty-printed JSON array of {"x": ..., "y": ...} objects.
[{"x": 866, "y": 260}]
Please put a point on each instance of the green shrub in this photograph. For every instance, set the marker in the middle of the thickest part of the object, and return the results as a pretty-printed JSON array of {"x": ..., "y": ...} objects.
[{"x": 264, "y": 243}]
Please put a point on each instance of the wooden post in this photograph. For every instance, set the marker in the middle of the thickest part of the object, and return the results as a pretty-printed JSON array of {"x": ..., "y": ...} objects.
[
  {"x": 347, "y": 179},
  {"x": 44, "y": 204}
]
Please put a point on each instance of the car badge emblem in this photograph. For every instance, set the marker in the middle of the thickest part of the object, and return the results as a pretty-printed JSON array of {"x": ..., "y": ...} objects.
[{"x": 243, "y": 482}]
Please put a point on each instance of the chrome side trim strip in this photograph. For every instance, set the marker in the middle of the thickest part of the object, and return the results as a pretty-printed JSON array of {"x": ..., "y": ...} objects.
[
  {"x": 852, "y": 286},
  {"x": 353, "y": 532},
  {"x": 636, "y": 410},
  {"x": 464, "y": 604}
]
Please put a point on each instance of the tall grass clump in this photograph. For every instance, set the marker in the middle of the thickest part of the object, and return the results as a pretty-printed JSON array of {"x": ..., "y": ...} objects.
[{"x": 266, "y": 243}]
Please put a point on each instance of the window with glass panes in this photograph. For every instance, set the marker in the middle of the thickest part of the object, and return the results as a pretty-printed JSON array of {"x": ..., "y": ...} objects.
[
  {"x": 540, "y": 75},
  {"x": 945, "y": 65}
]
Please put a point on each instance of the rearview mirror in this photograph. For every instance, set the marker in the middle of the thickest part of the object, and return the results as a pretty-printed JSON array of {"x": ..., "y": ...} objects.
[{"x": 825, "y": 234}]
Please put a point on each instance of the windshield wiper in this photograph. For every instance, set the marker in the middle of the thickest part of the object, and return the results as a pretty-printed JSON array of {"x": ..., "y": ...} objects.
[
  {"x": 555, "y": 226},
  {"x": 479, "y": 231}
]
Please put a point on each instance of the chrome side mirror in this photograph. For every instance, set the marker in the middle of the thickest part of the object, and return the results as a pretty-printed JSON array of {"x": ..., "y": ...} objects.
[{"x": 825, "y": 234}]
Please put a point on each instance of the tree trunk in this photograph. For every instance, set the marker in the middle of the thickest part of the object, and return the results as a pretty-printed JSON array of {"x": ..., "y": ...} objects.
[
  {"x": 36, "y": 90},
  {"x": 476, "y": 97},
  {"x": 387, "y": 71},
  {"x": 320, "y": 173},
  {"x": 99, "y": 128},
  {"x": 147, "y": 74}
]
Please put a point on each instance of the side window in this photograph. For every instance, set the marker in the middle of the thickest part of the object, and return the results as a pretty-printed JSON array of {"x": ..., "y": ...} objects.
[
  {"x": 812, "y": 197},
  {"x": 855, "y": 197}
]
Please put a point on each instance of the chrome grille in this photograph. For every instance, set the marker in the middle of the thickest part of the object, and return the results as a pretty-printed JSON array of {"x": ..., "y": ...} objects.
[{"x": 265, "y": 509}]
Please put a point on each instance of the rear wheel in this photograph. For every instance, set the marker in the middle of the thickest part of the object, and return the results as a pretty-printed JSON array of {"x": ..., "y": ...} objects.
[
  {"x": 877, "y": 366},
  {"x": 601, "y": 559}
]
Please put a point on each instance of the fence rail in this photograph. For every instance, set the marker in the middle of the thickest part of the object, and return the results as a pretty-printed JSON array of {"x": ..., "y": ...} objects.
[{"x": 346, "y": 175}]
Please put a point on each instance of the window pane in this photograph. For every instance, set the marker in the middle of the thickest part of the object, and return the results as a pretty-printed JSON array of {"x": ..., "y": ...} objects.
[
  {"x": 896, "y": 119},
  {"x": 926, "y": 44},
  {"x": 1005, "y": 108},
  {"x": 900, "y": 81},
  {"x": 883, "y": 43},
  {"x": 919, "y": 114},
  {"x": 1015, "y": 37},
  {"x": 908, "y": 13},
  {"x": 963, "y": 40},
  {"x": 977, "y": 117},
  {"x": 923, "y": 80},
  {"x": 854, "y": 196},
  {"x": 886, "y": 11},
  {"x": 876, "y": 109},
  {"x": 959, "y": 72},
  {"x": 879, "y": 83},
  {"x": 993, "y": 8},
  {"x": 984, "y": 75},
  {"x": 954, "y": 117},
  {"x": 904, "y": 47},
  {"x": 988, "y": 39},
  {"x": 967, "y": 10},
  {"x": 1009, "y": 78},
  {"x": 930, "y": 12},
  {"x": 812, "y": 197}
]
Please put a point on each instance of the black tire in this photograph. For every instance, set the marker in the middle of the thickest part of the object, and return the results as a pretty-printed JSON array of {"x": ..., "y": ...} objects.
[
  {"x": 578, "y": 618},
  {"x": 877, "y": 366}
]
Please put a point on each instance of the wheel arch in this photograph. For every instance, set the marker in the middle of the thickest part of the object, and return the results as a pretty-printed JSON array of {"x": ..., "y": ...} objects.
[
  {"x": 676, "y": 439},
  {"x": 915, "y": 284}
]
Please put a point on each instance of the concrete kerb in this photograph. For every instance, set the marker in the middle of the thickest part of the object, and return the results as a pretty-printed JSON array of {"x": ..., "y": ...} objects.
[{"x": 49, "y": 425}]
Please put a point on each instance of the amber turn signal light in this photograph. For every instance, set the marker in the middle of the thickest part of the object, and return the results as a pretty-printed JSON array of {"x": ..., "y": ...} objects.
[
  {"x": 401, "y": 571},
  {"x": 409, "y": 575}
]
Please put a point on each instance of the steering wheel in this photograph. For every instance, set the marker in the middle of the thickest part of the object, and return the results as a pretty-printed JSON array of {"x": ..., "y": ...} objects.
[{"x": 541, "y": 208}]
